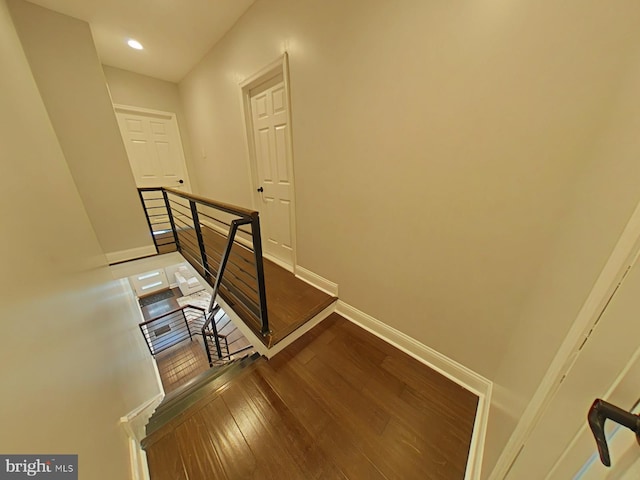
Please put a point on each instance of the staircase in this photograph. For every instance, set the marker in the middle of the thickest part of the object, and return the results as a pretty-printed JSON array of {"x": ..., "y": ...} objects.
[
  {"x": 196, "y": 390},
  {"x": 231, "y": 262}
]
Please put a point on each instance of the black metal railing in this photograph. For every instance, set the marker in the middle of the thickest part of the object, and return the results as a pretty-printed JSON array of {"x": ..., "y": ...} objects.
[
  {"x": 221, "y": 241},
  {"x": 233, "y": 341},
  {"x": 187, "y": 322},
  {"x": 173, "y": 327},
  {"x": 155, "y": 204}
]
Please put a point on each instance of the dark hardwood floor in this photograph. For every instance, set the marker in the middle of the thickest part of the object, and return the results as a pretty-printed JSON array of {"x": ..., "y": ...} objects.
[
  {"x": 338, "y": 403},
  {"x": 290, "y": 301},
  {"x": 182, "y": 362}
]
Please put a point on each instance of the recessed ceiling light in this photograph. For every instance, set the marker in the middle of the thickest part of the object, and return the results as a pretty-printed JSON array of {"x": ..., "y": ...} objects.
[{"x": 134, "y": 44}]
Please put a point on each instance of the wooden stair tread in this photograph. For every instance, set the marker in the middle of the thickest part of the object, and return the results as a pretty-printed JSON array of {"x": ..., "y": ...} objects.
[{"x": 188, "y": 398}]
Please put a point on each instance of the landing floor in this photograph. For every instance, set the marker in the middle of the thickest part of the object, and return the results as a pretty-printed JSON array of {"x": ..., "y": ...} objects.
[
  {"x": 182, "y": 362},
  {"x": 291, "y": 302},
  {"x": 338, "y": 403}
]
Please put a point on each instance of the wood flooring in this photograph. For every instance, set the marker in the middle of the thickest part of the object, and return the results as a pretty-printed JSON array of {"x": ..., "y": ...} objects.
[
  {"x": 187, "y": 359},
  {"x": 338, "y": 403},
  {"x": 291, "y": 302},
  {"x": 182, "y": 362}
]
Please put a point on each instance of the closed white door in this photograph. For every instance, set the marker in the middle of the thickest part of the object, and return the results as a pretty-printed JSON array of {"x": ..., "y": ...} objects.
[
  {"x": 154, "y": 148},
  {"x": 607, "y": 367},
  {"x": 274, "y": 188},
  {"x": 149, "y": 282}
]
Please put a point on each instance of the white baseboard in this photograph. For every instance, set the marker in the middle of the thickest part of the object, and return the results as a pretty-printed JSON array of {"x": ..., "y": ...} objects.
[
  {"x": 131, "y": 254},
  {"x": 317, "y": 281},
  {"x": 451, "y": 369},
  {"x": 139, "y": 467},
  {"x": 133, "y": 424},
  {"x": 278, "y": 262}
]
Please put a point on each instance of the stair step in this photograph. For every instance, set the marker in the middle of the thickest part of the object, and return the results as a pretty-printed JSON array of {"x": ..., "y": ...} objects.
[
  {"x": 192, "y": 385},
  {"x": 189, "y": 394},
  {"x": 201, "y": 381}
]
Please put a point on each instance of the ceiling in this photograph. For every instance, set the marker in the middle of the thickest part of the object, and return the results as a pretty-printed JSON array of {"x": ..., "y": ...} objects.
[{"x": 175, "y": 34}]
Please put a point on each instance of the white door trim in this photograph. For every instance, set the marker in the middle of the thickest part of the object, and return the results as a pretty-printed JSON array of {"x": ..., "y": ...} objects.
[
  {"x": 622, "y": 257},
  {"x": 610, "y": 391},
  {"x": 279, "y": 66},
  {"x": 118, "y": 107}
]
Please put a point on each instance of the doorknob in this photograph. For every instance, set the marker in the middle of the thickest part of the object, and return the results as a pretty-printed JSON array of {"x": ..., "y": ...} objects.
[
  {"x": 598, "y": 413},
  {"x": 181, "y": 181},
  {"x": 260, "y": 189}
]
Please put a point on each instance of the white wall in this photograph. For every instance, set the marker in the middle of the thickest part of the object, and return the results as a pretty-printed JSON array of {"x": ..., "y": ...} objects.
[
  {"x": 69, "y": 76},
  {"x": 133, "y": 89},
  {"x": 70, "y": 368},
  {"x": 449, "y": 157}
]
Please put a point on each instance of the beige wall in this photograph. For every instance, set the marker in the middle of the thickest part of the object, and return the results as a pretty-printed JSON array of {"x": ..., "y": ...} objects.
[
  {"x": 70, "y": 364},
  {"x": 133, "y": 89},
  {"x": 606, "y": 193},
  {"x": 452, "y": 172},
  {"x": 69, "y": 76}
]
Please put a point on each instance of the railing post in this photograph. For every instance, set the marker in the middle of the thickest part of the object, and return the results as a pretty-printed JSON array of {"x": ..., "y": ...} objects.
[
  {"x": 207, "y": 349},
  {"x": 214, "y": 330},
  {"x": 226, "y": 342},
  {"x": 196, "y": 225},
  {"x": 170, "y": 214},
  {"x": 257, "y": 250},
  {"x": 186, "y": 322},
  {"x": 216, "y": 338},
  {"x": 146, "y": 214}
]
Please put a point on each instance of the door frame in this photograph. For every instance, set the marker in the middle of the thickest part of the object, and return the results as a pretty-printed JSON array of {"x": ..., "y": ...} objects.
[
  {"x": 620, "y": 261},
  {"x": 118, "y": 107},
  {"x": 280, "y": 66},
  {"x": 621, "y": 443}
]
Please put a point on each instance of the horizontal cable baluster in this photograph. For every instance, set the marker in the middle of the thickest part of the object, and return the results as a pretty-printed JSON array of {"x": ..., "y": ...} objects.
[
  {"x": 237, "y": 273},
  {"x": 175, "y": 202},
  {"x": 222, "y": 242}
]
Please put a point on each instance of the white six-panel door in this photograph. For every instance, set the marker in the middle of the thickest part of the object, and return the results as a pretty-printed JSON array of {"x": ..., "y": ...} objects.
[
  {"x": 270, "y": 125},
  {"x": 153, "y": 145}
]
